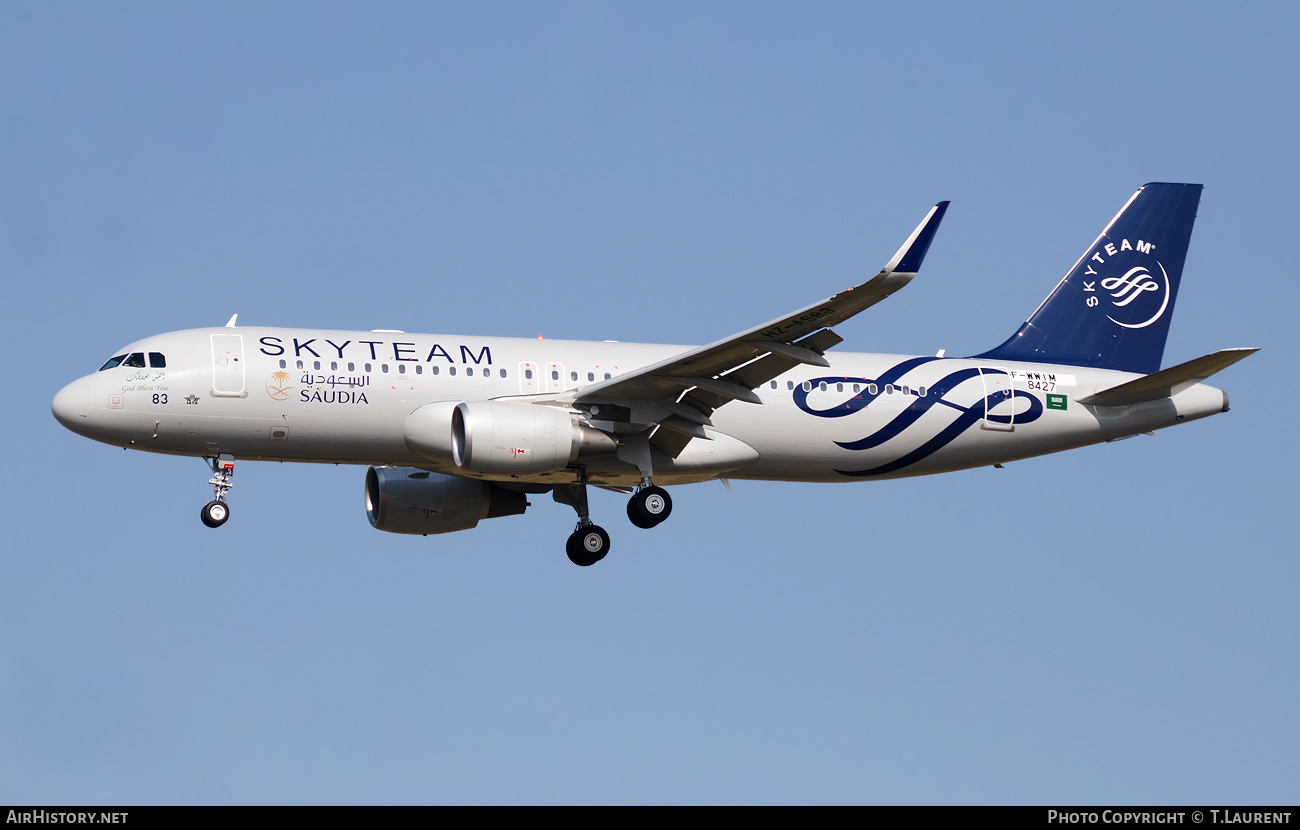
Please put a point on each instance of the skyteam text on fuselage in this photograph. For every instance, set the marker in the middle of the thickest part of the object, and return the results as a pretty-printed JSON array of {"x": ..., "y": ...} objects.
[{"x": 460, "y": 429}]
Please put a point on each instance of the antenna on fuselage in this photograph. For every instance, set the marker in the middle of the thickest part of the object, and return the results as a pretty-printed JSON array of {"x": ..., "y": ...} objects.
[{"x": 231, "y": 324}]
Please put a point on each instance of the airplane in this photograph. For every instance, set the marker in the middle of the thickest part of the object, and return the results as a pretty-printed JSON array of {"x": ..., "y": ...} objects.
[{"x": 459, "y": 429}]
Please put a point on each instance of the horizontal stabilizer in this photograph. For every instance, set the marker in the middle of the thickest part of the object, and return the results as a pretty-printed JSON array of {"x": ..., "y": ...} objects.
[{"x": 1168, "y": 382}]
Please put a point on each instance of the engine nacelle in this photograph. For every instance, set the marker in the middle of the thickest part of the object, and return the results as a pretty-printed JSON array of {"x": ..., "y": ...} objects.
[
  {"x": 410, "y": 500},
  {"x": 499, "y": 438}
]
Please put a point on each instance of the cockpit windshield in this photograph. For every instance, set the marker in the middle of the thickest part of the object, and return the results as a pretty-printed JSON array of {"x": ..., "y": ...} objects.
[{"x": 136, "y": 359}]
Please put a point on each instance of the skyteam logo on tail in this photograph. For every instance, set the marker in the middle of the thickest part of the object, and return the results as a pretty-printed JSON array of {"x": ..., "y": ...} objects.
[
  {"x": 1135, "y": 298},
  {"x": 1113, "y": 308}
]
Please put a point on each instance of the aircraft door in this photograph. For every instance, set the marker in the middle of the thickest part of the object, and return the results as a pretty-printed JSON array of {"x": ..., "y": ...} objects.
[
  {"x": 529, "y": 382},
  {"x": 554, "y": 377},
  {"x": 998, "y": 381},
  {"x": 228, "y": 365}
]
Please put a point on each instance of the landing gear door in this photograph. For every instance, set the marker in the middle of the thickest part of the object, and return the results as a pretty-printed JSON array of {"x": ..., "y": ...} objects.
[
  {"x": 999, "y": 398},
  {"x": 228, "y": 366}
]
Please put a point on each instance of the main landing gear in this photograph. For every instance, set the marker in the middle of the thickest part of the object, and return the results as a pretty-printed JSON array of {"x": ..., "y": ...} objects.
[
  {"x": 589, "y": 542},
  {"x": 215, "y": 512},
  {"x": 649, "y": 506}
]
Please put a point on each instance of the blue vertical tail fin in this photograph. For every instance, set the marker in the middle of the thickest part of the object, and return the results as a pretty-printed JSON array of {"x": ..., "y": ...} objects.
[{"x": 1113, "y": 308}]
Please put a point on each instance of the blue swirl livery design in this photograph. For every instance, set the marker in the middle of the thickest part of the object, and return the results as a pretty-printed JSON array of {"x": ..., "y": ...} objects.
[{"x": 935, "y": 397}]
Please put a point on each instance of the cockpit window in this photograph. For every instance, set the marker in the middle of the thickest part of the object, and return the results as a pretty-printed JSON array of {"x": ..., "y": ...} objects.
[
  {"x": 136, "y": 360},
  {"x": 157, "y": 361},
  {"x": 113, "y": 362}
]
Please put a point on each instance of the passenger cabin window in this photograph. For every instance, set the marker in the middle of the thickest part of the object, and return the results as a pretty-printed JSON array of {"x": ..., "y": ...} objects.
[
  {"x": 367, "y": 366},
  {"x": 528, "y": 373},
  {"x": 807, "y": 386},
  {"x": 383, "y": 367},
  {"x": 573, "y": 375},
  {"x": 300, "y": 365},
  {"x": 352, "y": 367},
  {"x": 315, "y": 364},
  {"x": 401, "y": 368},
  {"x": 889, "y": 388},
  {"x": 822, "y": 386},
  {"x": 839, "y": 387},
  {"x": 872, "y": 388},
  {"x": 284, "y": 364},
  {"x": 920, "y": 390},
  {"x": 136, "y": 360},
  {"x": 433, "y": 369},
  {"x": 334, "y": 365},
  {"x": 789, "y": 384},
  {"x": 451, "y": 370},
  {"x": 419, "y": 368},
  {"x": 503, "y": 373},
  {"x": 113, "y": 362},
  {"x": 157, "y": 361},
  {"x": 607, "y": 376},
  {"x": 555, "y": 375},
  {"x": 591, "y": 376},
  {"x": 773, "y": 384},
  {"x": 469, "y": 370}
]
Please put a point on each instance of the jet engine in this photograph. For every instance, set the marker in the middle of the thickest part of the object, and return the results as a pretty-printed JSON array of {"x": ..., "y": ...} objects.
[
  {"x": 502, "y": 439},
  {"x": 410, "y": 500}
]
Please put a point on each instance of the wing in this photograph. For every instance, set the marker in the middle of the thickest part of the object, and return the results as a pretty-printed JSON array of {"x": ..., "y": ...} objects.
[{"x": 680, "y": 393}]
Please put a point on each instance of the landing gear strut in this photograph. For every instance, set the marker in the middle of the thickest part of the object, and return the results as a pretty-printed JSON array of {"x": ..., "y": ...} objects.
[
  {"x": 215, "y": 512},
  {"x": 589, "y": 542}
]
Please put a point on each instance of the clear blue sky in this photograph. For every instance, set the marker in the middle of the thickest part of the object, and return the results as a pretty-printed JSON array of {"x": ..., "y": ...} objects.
[{"x": 1114, "y": 624}]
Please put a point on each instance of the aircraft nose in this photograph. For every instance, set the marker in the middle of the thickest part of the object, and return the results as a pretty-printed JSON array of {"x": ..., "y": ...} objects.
[{"x": 72, "y": 405}]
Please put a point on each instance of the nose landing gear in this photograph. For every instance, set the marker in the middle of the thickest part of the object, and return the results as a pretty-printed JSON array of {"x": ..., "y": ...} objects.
[{"x": 216, "y": 512}]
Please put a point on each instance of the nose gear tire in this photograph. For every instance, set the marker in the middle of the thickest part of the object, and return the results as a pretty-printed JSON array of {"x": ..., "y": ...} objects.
[{"x": 215, "y": 513}]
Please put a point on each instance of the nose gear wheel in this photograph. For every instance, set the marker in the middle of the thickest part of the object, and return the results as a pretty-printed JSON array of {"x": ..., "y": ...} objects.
[{"x": 216, "y": 512}]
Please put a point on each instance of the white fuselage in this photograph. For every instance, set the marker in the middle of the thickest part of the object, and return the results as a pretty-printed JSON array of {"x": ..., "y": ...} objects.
[{"x": 344, "y": 397}]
